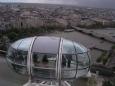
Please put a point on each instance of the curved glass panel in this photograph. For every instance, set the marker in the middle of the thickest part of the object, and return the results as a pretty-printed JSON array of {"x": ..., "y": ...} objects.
[
  {"x": 44, "y": 58},
  {"x": 68, "y": 47},
  {"x": 19, "y": 68},
  {"x": 11, "y": 54},
  {"x": 25, "y": 44},
  {"x": 80, "y": 48},
  {"x": 46, "y": 45},
  {"x": 69, "y": 63},
  {"x": 44, "y": 66},
  {"x": 83, "y": 60},
  {"x": 21, "y": 57},
  {"x": 82, "y": 72},
  {"x": 16, "y": 44},
  {"x": 18, "y": 60}
]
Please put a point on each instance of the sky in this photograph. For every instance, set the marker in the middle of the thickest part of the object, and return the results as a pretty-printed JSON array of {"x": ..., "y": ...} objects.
[{"x": 90, "y": 3}]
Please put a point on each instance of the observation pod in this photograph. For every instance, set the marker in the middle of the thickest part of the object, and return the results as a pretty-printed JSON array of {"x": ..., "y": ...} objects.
[{"x": 52, "y": 60}]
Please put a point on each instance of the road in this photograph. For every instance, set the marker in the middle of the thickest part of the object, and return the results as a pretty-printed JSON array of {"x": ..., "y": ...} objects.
[{"x": 8, "y": 77}]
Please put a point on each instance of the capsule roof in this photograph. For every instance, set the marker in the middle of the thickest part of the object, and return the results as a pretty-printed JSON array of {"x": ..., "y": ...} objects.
[{"x": 49, "y": 44}]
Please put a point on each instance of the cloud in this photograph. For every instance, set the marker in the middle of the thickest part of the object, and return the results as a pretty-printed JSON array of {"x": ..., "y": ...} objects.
[
  {"x": 90, "y": 3},
  {"x": 44, "y": 1},
  {"x": 51, "y": 1}
]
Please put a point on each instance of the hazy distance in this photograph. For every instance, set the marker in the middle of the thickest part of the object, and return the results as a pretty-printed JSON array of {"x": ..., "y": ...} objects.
[{"x": 89, "y": 3}]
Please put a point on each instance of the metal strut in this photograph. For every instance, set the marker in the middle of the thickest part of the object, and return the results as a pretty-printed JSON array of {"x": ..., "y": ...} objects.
[
  {"x": 58, "y": 68},
  {"x": 29, "y": 63}
]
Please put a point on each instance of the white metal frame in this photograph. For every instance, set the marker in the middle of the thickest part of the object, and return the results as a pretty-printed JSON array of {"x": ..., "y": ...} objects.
[
  {"x": 29, "y": 61},
  {"x": 58, "y": 67}
]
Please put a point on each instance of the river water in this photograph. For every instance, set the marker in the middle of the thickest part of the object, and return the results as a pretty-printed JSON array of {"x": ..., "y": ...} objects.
[{"x": 85, "y": 40}]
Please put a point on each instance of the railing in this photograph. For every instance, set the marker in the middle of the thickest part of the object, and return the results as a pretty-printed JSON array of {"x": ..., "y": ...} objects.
[{"x": 2, "y": 52}]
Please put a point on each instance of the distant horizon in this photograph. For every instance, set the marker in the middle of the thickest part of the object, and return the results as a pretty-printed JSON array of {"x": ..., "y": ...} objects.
[{"x": 81, "y": 3}]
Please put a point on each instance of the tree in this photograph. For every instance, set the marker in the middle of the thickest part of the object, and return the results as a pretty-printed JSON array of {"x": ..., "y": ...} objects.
[{"x": 12, "y": 35}]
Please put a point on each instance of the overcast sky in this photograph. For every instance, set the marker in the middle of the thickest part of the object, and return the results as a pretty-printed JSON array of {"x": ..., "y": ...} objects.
[{"x": 90, "y": 3}]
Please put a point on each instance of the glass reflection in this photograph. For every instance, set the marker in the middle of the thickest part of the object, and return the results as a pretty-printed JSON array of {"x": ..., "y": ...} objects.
[
  {"x": 16, "y": 44},
  {"x": 68, "y": 65},
  {"x": 80, "y": 48},
  {"x": 18, "y": 60},
  {"x": 25, "y": 44},
  {"x": 44, "y": 65},
  {"x": 68, "y": 47},
  {"x": 74, "y": 60},
  {"x": 83, "y": 60}
]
